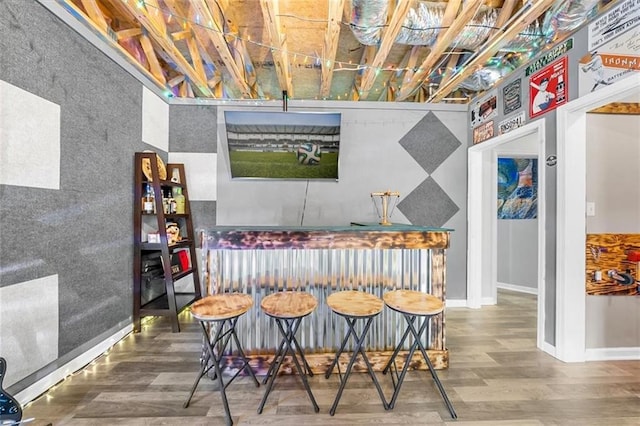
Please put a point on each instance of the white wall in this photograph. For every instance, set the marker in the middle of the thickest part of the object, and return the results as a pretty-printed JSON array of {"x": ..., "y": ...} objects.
[{"x": 613, "y": 179}]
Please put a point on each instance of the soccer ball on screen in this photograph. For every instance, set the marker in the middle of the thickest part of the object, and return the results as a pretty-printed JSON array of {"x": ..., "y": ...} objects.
[{"x": 309, "y": 154}]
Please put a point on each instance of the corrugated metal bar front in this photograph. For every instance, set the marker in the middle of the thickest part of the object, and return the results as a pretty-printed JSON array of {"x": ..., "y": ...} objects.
[{"x": 320, "y": 272}]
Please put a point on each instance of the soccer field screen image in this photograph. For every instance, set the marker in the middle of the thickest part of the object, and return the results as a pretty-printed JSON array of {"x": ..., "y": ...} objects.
[{"x": 283, "y": 145}]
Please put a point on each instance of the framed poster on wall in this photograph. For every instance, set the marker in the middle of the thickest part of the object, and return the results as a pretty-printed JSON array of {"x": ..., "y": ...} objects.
[
  {"x": 512, "y": 97},
  {"x": 548, "y": 88},
  {"x": 517, "y": 188}
]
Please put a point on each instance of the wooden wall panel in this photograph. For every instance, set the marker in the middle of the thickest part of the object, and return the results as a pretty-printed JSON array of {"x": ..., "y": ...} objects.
[{"x": 606, "y": 252}]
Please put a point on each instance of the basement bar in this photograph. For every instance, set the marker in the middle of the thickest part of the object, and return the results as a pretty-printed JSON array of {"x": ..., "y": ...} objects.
[{"x": 372, "y": 258}]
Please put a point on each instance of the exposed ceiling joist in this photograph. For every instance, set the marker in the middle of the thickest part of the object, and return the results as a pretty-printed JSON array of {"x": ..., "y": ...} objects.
[
  {"x": 216, "y": 34},
  {"x": 443, "y": 41},
  {"x": 178, "y": 12},
  {"x": 94, "y": 12},
  {"x": 368, "y": 53},
  {"x": 492, "y": 46},
  {"x": 152, "y": 59},
  {"x": 131, "y": 32},
  {"x": 330, "y": 45},
  {"x": 506, "y": 11},
  {"x": 388, "y": 38},
  {"x": 152, "y": 26},
  {"x": 108, "y": 36},
  {"x": 278, "y": 41},
  {"x": 155, "y": 16},
  {"x": 227, "y": 49},
  {"x": 241, "y": 53}
]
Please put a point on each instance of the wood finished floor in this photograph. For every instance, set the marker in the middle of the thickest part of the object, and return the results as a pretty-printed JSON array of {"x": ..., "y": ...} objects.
[{"x": 496, "y": 377}]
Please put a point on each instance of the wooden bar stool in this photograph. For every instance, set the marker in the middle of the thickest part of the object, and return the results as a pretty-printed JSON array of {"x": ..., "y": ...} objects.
[
  {"x": 223, "y": 311},
  {"x": 288, "y": 308},
  {"x": 413, "y": 304},
  {"x": 354, "y": 306}
]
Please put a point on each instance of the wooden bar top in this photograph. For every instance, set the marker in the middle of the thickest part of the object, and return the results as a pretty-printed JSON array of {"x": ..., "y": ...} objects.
[
  {"x": 353, "y": 303},
  {"x": 331, "y": 237},
  {"x": 289, "y": 304},
  {"x": 413, "y": 302}
]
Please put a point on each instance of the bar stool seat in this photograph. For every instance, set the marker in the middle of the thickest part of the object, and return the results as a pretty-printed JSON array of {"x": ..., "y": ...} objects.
[
  {"x": 223, "y": 311},
  {"x": 288, "y": 308},
  {"x": 413, "y": 304},
  {"x": 353, "y": 306}
]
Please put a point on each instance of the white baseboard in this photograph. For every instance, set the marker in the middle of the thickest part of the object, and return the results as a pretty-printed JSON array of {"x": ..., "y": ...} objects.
[
  {"x": 41, "y": 386},
  {"x": 518, "y": 288},
  {"x": 489, "y": 301},
  {"x": 548, "y": 348},
  {"x": 456, "y": 303},
  {"x": 612, "y": 354}
]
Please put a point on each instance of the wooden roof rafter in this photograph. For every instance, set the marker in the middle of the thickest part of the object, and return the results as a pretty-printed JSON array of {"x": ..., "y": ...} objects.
[
  {"x": 152, "y": 59},
  {"x": 443, "y": 41},
  {"x": 240, "y": 51},
  {"x": 150, "y": 21},
  {"x": 94, "y": 12},
  {"x": 368, "y": 53},
  {"x": 110, "y": 36},
  {"x": 278, "y": 41},
  {"x": 408, "y": 62},
  {"x": 506, "y": 10},
  {"x": 492, "y": 46},
  {"x": 176, "y": 10},
  {"x": 216, "y": 33},
  {"x": 388, "y": 38},
  {"x": 330, "y": 45}
]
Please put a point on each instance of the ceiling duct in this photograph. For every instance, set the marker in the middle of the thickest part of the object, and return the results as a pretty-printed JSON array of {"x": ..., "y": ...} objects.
[
  {"x": 566, "y": 16},
  {"x": 368, "y": 18},
  {"x": 563, "y": 17},
  {"x": 423, "y": 23}
]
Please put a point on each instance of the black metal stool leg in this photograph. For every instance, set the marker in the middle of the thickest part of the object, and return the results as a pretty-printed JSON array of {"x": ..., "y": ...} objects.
[
  {"x": 288, "y": 337},
  {"x": 396, "y": 351},
  {"x": 357, "y": 349},
  {"x": 292, "y": 327},
  {"x": 405, "y": 368},
  {"x": 433, "y": 370},
  {"x": 335, "y": 359},
  {"x": 277, "y": 362},
  {"x": 204, "y": 368},
  {"x": 216, "y": 365},
  {"x": 246, "y": 366},
  {"x": 278, "y": 353},
  {"x": 300, "y": 352}
]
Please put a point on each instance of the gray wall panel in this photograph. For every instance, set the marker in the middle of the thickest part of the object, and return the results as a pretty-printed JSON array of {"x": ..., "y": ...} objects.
[
  {"x": 204, "y": 216},
  {"x": 83, "y": 232},
  {"x": 193, "y": 128}
]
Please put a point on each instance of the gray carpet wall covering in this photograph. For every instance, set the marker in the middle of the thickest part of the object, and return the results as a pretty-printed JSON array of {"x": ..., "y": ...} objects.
[{"x": 71, "y": 120}]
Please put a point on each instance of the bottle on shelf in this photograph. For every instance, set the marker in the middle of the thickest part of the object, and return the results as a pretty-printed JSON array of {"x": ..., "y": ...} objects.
[
  {"x": 148, "y": 200},
  {"x": 180, "y": 200}
]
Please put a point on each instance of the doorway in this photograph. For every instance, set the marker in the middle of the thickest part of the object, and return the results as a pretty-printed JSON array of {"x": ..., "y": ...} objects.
[
  {"x": 571, "y": 220},
  {"x": 482, "y": 235}
]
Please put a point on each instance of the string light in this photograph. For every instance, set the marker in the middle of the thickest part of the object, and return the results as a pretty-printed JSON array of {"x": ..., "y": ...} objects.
[
  {"x": 316, "y": 58},
  {"x": 347, "y": 66}
]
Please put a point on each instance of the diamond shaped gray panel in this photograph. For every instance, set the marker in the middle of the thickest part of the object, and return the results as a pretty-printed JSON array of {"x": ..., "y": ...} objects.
[
  {"x": 430, "y": 142},
  {"x": 428, "y": 205}
]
